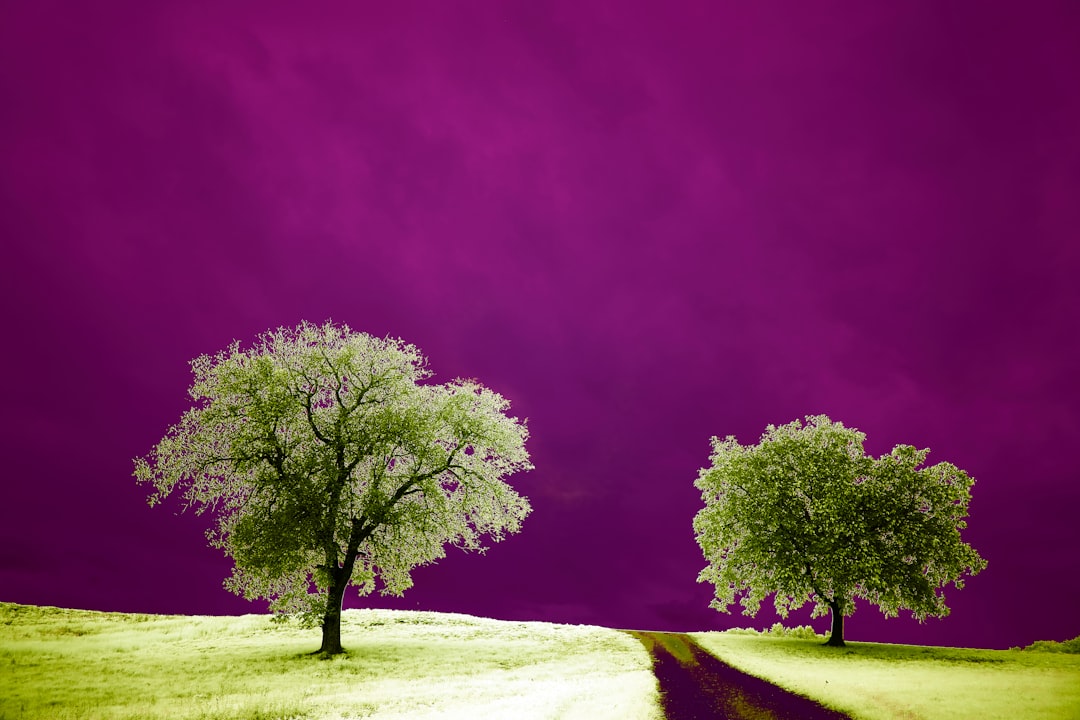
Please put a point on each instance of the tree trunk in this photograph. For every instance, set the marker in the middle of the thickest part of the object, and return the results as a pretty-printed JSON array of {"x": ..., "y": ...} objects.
[
  {"x": 836, "y": 637},
  {"x": 331, "y": 624},
  {"x": 340, "y": 575}
]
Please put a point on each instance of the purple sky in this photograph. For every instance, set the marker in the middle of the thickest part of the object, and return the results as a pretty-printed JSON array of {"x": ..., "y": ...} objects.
[{"x": 643, "y": 226}]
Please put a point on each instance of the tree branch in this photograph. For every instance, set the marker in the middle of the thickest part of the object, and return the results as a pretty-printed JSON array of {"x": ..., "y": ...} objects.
[
  {"x": 311, "y": 419},
  {"x": 813, "y": 585}
]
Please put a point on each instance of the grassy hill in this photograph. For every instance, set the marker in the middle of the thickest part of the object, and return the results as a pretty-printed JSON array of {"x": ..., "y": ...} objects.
[
  {"x": 65, "y": 664},
  {"x": 878, "y": 681}
]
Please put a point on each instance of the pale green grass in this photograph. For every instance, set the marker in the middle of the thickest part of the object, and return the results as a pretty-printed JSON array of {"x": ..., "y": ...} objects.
[
  {"x": 66, "y": 664},
  {"x": 875, "y": 681}
]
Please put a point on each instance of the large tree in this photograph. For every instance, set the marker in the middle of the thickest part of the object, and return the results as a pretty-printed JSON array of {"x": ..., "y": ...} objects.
[
  {"x": 327, "y": 462},
  {"x": 805, "y": 514}
]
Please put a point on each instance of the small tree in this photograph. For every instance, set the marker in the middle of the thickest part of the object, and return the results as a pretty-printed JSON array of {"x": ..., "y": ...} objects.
[
  {"x": 805, "y": 514},
  {"x": 328, "y": 463}
]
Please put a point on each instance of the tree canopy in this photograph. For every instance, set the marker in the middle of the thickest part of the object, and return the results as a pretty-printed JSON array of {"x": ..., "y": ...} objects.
[
  {"x": 327, "y": 461},
  {"x": 807, "y": 516}
]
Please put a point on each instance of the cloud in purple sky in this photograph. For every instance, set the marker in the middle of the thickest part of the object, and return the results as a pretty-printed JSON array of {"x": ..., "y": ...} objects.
[{"x": 645, "y": 225}]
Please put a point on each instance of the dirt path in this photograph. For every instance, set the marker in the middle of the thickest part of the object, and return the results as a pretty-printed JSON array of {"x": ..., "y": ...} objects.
[{"x": 694, "y": 685}]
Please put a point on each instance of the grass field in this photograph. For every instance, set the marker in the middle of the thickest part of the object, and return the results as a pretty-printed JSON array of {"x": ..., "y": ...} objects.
[
  {"x": 875, "y": 681},
  {"x": 66, "y": 664}
]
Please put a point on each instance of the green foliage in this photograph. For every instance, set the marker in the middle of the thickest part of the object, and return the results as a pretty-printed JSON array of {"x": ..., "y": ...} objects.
[
  {"x": 326, "y": 461},
  {"x": 1071, "y": 647},
  {"x": 800, "y": 632},
  {"x": 805, "y": 514}
]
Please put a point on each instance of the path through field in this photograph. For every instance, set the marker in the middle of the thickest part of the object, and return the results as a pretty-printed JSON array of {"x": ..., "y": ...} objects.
[{"x": 694, "y": 685}]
